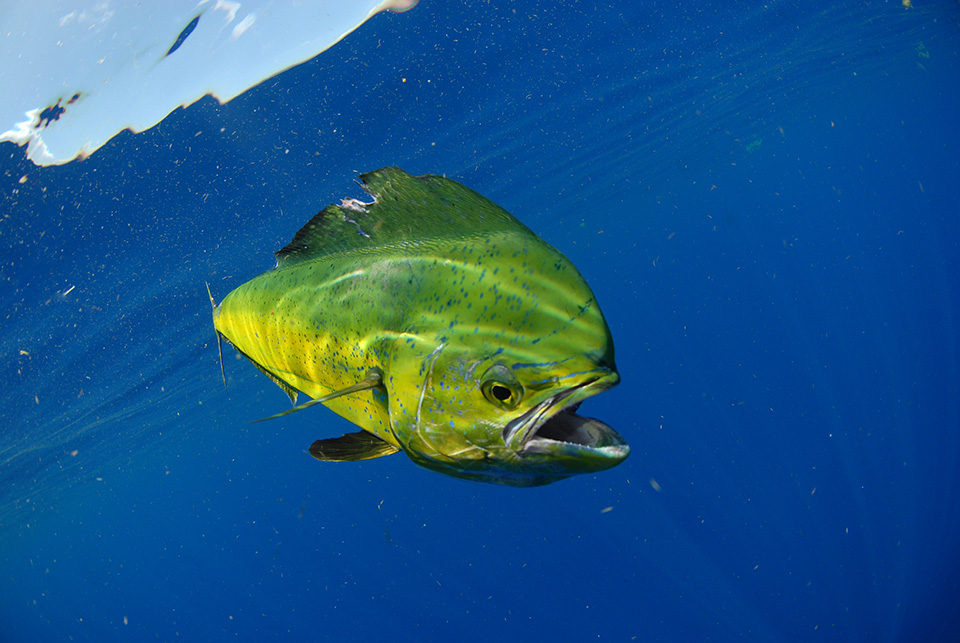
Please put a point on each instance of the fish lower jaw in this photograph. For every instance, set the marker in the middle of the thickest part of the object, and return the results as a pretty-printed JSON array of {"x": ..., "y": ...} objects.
[
  {"x": 553, "y": 428},
  {"x": 567, "y": 433}
]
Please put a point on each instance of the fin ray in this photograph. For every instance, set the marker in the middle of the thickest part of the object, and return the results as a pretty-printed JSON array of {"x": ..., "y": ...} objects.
[
  {"x": 213, "y": 303},
  {"x": 373, "y": 379},
  {"x": 351, "y": 447}
]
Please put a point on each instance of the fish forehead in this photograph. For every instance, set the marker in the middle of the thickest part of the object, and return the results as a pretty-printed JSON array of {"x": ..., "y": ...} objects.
[{"x": 510, "y": 290}]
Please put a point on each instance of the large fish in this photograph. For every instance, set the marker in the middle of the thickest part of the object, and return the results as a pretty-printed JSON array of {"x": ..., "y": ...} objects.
[{"x": 441, "y": 326}]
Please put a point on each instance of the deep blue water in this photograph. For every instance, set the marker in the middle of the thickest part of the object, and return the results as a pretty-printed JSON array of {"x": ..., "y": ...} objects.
[{"x": 763, "y": 197}]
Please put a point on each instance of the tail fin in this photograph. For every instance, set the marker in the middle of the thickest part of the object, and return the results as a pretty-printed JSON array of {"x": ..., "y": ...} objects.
[{"x": 219, "y": 348}]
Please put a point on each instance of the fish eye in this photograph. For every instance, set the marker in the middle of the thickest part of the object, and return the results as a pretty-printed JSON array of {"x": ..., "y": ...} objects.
[
  {"x": 501, "y": 392},
  {"x": 500, "y": 387}
]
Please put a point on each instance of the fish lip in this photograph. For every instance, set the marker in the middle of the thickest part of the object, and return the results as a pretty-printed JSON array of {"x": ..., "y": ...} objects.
[{"x": 553, "y": 425}]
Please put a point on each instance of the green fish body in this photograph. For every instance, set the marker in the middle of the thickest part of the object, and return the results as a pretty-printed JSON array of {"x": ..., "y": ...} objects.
[{"x": 441, "y": 326}]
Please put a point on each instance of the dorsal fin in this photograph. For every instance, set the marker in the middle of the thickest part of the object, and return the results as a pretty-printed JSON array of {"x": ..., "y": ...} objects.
[{"x": 404, "y": 208}]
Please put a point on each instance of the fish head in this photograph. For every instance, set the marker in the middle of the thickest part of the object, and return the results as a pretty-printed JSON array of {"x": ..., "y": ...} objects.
[{"x": 486, "y": 408}]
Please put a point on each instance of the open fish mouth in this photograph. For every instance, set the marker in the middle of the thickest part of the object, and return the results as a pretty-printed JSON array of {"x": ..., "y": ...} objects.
[{"x": 553, "y": 428}]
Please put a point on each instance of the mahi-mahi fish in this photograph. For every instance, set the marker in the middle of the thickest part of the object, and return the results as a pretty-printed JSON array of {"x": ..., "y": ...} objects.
[{"x": 439, "y": 325}]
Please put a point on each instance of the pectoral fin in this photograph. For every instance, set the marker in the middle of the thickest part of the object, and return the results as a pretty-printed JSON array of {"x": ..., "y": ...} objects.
[
  {"x": 351, "y": 447},
  {"x": 373, "y": 379}
]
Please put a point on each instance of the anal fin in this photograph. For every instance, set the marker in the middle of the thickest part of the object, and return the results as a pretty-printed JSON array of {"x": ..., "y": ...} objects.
[
  {"x": 289, "y": 390},
  {"x": 351, "y": 447}
]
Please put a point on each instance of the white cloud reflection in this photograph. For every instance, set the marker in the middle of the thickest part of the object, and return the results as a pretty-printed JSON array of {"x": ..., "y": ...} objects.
[{"x": 76, "y": 73}]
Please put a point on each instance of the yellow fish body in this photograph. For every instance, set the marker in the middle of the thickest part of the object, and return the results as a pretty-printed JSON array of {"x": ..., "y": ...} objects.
[{"x": 441, "y": 326}]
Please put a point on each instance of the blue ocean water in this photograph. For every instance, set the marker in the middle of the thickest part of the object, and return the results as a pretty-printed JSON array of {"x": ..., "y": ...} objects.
[{"x": 764, "y": 198}]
